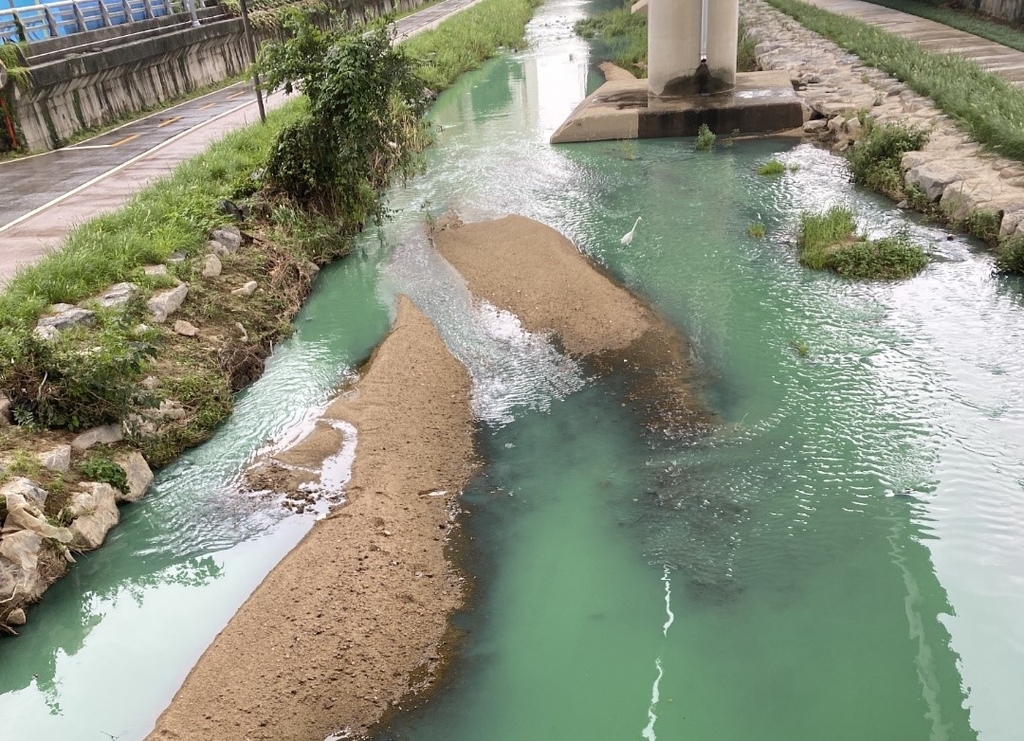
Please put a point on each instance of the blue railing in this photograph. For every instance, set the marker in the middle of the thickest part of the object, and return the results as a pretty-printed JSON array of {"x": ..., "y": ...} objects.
[{"x": 47, "y": 20}]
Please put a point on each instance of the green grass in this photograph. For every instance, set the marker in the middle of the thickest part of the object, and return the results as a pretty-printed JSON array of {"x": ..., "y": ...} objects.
[
  {"x": 987, "y": 107},
  {"x": 756, "y": 230},
  {"x": 771, "y": 167},
  {"x": 625, "y": 33},
  {"x": 468, "y": 39},
  {"x": 828, "y": 241}
]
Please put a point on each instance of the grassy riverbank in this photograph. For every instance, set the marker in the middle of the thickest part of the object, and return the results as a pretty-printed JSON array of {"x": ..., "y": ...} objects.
[{"x": 173, "y": 386}]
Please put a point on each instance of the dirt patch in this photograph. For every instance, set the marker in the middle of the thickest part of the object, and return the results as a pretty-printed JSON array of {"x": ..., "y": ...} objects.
[{"x": 354, "y": 618}]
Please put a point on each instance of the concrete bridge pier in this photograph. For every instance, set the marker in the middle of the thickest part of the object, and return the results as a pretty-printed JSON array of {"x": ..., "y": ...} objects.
[{"x": 678, "y": 38}]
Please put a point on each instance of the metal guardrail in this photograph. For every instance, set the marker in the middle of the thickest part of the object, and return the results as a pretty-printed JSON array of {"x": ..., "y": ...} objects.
[{"x": 65, "y": 17}]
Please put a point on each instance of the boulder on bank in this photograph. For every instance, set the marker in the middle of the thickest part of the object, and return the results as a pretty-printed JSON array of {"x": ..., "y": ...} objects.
[{"x": 95, "y": 513}]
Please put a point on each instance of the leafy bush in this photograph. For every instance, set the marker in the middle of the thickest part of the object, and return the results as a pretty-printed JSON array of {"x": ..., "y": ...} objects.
[
  {"x": 99, "y": 467},
  {"x": 705, "y": 138},
  {"x": 363, "y": 122},
  {"x": 875, "y": 160},
  {"x": 1010, "y": 255}
]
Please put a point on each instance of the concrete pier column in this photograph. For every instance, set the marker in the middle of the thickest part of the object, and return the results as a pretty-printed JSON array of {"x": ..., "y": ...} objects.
[{"x": 673, "y": 47}]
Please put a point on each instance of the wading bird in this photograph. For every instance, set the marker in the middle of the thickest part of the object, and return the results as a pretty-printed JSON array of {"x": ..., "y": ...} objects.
[{"x": 627, "y": 238}]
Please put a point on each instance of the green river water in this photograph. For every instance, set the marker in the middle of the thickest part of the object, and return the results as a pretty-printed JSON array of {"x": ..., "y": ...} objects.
[{"x": 842, "y": 558}]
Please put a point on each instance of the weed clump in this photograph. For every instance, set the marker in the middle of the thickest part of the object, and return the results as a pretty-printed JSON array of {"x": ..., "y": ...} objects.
[
  {"x": 828, "y": 242},
  {"x": 625, "y": 33},
  {"x": 756, "y": 230},
  {"x": 705, "y": 138},
  {"x": 771, "y": 167},
  {"x": 1010, "y": 255},
  {"x": 874, "y": 161},
  {"x": 99, "y": 467}
]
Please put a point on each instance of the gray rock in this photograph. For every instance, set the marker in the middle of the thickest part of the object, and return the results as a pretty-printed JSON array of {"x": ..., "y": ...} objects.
[
  {"x": 216, "y": 248},
  {"x": 155, "y": 271},
  {"x": 16, "y": 617},
  {"x": 67, "y": 318},
  {"x": 6, "y": 416},
  {"x": 1011, "y": 225},
  {"x": 185, "y": 328},
  {"x": 932, "y": 178},
  {"x": 177, "y": 257},
  {"x": 212, "y": 267},
  {"x": 103, "y": 435},
  {"x": 241, "y": 330},
  {"x": 139, "y": 475},
  {"x": 229, "y": 236},
  {"x": 95, "y": 513},
  {"x": 958, "y": 200},
  {"x": 170, "y": 409},
  {"x": 45, "y": 333},
  {"x": 247, "y": 290},
  {"x": 19, "y": 566},
  {"x": 311, "y": 267},
  {"x": 853, "y": 128},
  {"x": 118, "y": 294},
  {"x": 57, "y": 459},
  {"x": 815, "y": 125},
  {"x": 150, "y": 383},
  {"x": 165, "y": 303},
  {"x": 26, "y": 489}
]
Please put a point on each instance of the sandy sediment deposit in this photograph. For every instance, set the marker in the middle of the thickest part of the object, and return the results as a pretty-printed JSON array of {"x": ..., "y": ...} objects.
[
  {"x": 332, "y": 636},
  {"x": 529, "y": 269}
]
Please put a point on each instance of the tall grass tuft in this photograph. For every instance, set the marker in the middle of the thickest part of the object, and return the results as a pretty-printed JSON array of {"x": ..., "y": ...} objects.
[
  {"x": 771, "y": 167},
  {"x": 624, "y": 31},
  {"x": 1010, "y": 255},
  {"x": 468, "y": 39},
  {"x": 828, "y": 242}
]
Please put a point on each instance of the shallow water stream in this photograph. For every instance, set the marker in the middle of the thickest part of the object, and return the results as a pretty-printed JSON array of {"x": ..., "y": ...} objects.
[{"x": 843, "y": 558}]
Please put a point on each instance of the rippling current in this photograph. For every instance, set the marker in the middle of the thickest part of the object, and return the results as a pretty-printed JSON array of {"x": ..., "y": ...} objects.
[{"x": 842, "y": 557}]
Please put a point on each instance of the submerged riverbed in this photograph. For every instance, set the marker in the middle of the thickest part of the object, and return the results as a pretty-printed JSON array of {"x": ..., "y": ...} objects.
[{"x": 842, "y": 558}]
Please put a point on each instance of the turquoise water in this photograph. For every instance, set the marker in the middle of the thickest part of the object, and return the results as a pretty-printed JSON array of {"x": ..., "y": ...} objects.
[{"x": 843, "y": 558}]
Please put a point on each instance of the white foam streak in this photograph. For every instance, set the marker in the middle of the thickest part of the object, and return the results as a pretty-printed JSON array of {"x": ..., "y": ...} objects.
[
  {"x": 668, "y": 602},
  {"x": 652, "y": 717}
]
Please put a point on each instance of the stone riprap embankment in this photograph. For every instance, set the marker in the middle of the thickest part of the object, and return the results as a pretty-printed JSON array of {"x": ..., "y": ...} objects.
[
  {"x": 838, "y": 90},
  {"x": 42, "y": 524}
]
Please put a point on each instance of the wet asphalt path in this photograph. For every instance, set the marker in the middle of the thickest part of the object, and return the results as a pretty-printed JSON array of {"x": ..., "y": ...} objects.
[{"x": 41, "y": 179}]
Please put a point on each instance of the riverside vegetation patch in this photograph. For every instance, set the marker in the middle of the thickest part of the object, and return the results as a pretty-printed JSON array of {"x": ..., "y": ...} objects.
[{"x": 303, "y": 184}]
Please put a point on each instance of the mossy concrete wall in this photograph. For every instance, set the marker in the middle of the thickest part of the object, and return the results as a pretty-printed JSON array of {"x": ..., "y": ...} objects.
[{"x": 102, "y": 79}]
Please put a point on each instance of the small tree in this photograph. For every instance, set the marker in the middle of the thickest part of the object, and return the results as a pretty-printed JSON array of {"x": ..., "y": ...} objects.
[{"x": 364, "y": 123}]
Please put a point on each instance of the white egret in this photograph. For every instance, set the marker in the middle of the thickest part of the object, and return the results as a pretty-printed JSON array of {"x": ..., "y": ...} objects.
[{"x": 627, "y": 238}]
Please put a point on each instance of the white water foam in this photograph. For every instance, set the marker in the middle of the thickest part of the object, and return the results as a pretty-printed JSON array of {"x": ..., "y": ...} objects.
[
  {"x": 513, "y": 370},
  {"x": 652, "y": 717},
  {"x": 668, "y": 602}
]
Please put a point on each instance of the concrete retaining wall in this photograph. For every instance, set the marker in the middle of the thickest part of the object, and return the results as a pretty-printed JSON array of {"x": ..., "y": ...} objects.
[
  {"x": 97, "y": 87},
  {"x": 102, "y": 79}
]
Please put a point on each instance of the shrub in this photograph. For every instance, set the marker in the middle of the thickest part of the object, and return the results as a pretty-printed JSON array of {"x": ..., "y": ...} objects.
[
  {"x": 705, "y": 138},
  {"x": 875, "y": 160},
  {"x": 1010, "y": 255},
  {"x": 363, "y": 122}
]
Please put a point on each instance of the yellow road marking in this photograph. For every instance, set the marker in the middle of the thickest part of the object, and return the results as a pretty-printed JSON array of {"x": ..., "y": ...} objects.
[
  {"x": 208, "y": 105},
  {"x": 168, "y": 122},
  {"x": 125, "y": 140},
  {"x": 239, "y": 94}
]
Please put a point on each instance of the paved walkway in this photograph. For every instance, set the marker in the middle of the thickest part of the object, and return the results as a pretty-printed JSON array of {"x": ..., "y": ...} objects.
[
  {"x": 990, "y": 56},
  {"x": 56, "y": 191}
]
